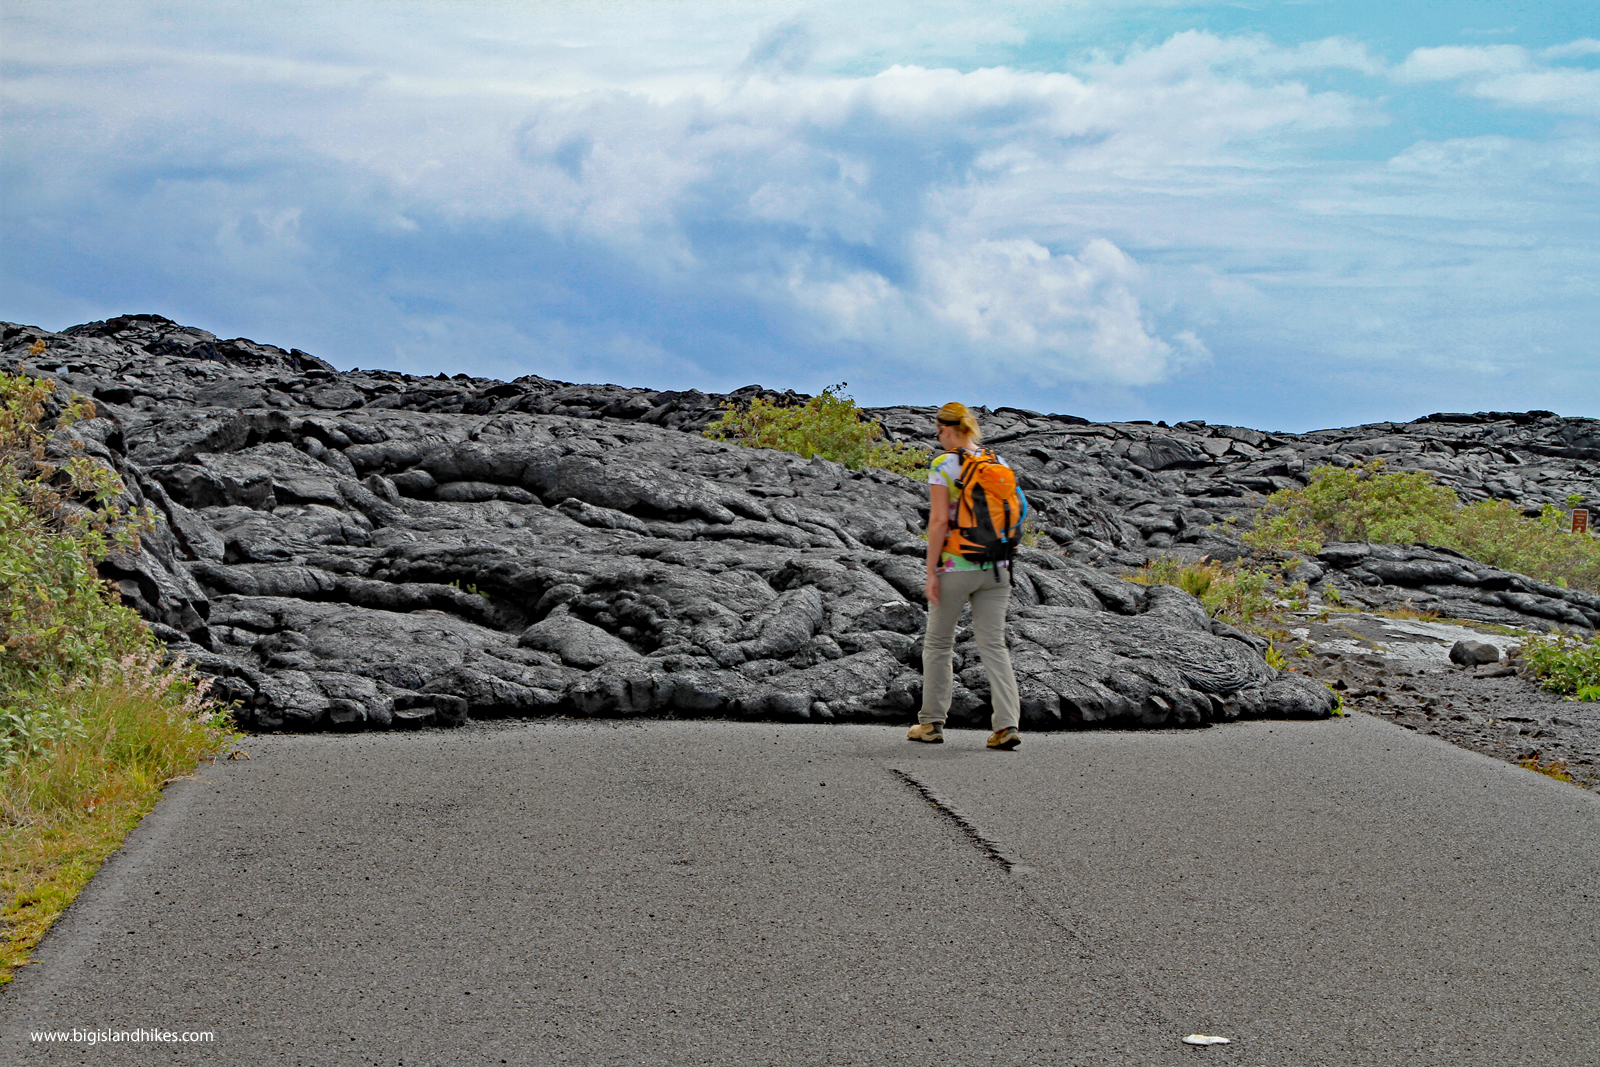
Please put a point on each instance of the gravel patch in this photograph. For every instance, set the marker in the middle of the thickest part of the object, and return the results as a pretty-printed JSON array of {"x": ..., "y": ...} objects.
[{"x": 1400, "y": 670}]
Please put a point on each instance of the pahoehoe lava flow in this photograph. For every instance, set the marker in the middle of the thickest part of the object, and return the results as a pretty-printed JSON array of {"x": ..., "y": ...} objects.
[{"x": 369, "y": 549}]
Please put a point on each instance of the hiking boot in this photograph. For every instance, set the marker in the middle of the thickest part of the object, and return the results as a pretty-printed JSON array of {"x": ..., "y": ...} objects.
[
  {"x": 929, "y": 732},
  {"x": 1006, "y": 739}
]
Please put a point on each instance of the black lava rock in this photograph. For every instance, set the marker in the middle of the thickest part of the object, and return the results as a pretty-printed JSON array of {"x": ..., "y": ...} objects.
[{"x": 375, "y": 549}]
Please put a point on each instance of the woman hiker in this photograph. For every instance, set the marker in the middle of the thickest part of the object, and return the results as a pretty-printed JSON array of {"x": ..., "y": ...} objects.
[{"x": 954, "y": 582}]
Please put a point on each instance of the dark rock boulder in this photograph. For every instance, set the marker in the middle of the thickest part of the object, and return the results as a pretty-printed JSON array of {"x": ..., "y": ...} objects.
[{"x": 1473, "y": 653}]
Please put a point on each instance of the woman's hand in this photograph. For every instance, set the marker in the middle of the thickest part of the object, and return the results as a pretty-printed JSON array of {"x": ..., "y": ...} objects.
[{"x": 931, "y": 587}]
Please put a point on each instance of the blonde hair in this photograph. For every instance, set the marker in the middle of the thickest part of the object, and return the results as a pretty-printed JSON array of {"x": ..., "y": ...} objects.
[{"x": 959, "y": 416}]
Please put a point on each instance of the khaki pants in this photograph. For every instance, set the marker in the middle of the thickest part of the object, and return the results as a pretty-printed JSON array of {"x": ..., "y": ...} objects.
[{"x": 988, "y": 599}]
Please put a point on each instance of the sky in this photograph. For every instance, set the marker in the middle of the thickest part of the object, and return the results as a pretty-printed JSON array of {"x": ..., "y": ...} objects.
[{"x": 1285, "y": 215}]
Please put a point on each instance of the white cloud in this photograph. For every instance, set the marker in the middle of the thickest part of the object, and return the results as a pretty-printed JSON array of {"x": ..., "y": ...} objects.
[
  {"x": 1509, "y": 74},
  {"x": 1567, "y": 92},
  {"x": 1457, "y": 61},
  {"x": 1584, "y": 46},
  {"x": 1196, "y": 51},
  {"x": 1044, "y": 318},
  {"x": 1052, "y": 318}
]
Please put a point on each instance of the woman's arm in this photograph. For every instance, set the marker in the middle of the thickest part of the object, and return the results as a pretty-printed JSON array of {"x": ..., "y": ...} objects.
[{"x": 938, "y": 529}]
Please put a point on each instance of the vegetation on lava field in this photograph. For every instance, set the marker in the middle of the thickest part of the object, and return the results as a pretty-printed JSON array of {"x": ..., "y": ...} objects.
[
  {"x": 1565, "y": 664},
  {"x": 828, "y": 425},
  {"x": 1363, "y": 503},
  {"x": 1555, "y": 768},
  {"x": 92, "y": 721},
  {"x": 1249, "y": 596}
]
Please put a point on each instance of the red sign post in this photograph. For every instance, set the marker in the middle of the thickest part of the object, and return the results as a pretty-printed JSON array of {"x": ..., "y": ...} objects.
[{"x": 1580, "y": 520}]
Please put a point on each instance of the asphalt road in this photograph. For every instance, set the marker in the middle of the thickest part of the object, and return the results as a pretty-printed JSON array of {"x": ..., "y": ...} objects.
[{"x": 563, "y": 892}]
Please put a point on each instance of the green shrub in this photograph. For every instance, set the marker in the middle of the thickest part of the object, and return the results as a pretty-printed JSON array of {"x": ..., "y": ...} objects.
[
  {"x": 59, "y": 622},
  {"x": 1364, "y": 504},
  {"x": 829, "y": 425},
  {"x": 1163, "y": 570},
  {"x": 1254, "y": 598},
  {"x": 1356, "y": 504},
  {"x": 1159, "y": 571},
  {"x": 1496, "y": 532},
  {"x": 1565, "y": 664},
  {"x": 92, "y": 723},
  {"x": 1240, "y": 594}
]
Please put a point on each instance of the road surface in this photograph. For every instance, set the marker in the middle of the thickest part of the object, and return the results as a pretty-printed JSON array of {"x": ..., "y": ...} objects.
[{"x": 565, "y": 892}]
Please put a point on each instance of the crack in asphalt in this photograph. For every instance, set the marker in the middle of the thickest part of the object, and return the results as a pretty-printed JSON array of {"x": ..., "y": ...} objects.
[
  {"x": 1139, "y": 999},
  {"x": 965, "y": 824}
]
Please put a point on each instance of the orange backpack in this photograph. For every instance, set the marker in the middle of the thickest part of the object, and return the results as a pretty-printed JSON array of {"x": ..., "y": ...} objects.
[{"x": 989, "y": 511}]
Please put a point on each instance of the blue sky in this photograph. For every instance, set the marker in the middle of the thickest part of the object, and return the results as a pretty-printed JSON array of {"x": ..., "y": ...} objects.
[{"x": 1284, "y": 215}]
